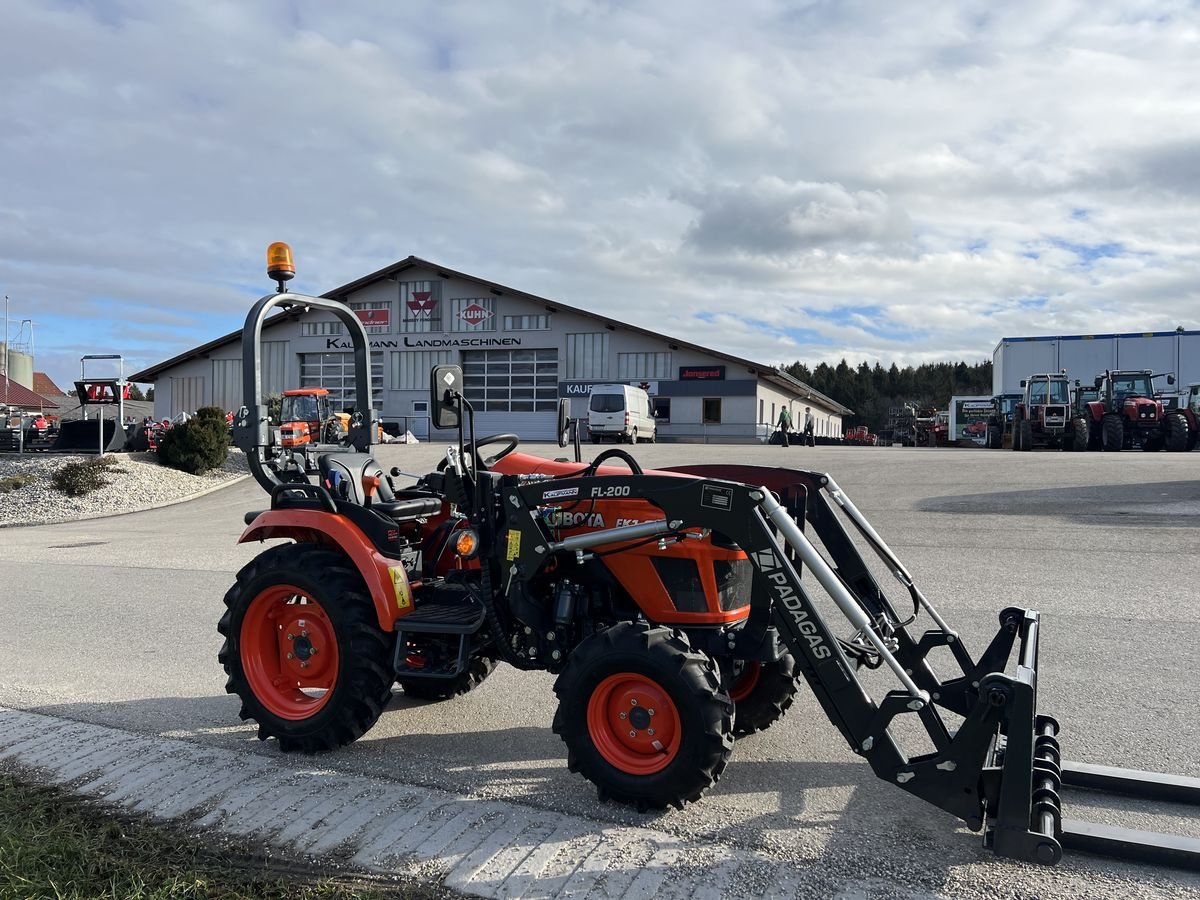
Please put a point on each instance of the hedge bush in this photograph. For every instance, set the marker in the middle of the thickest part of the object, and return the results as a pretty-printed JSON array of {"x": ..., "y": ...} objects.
[
  {"x": 78, "y": 478},
  {"x": 211, "y": 412},
  {"x": 14, "y": 482},
  {"x": 196, "y": 446}
]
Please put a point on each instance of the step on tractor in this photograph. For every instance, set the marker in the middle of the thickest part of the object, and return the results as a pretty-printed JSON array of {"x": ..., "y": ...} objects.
[
  {"x": 678, "y": 609},
  {"x": 1128, "y": 415},
  {"x": 1043, "y": 415}
]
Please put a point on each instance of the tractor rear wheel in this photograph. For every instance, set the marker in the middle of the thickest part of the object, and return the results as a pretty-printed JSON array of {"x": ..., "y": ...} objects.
[
  {"x": 993, "y": 438},
  {"x": 761, "y": 693},
  {"x": 1113, "y": 435},
  {"x": 644, "y": 716},
  {"x": 1175, "y": 433},
  {"x": 304, "y": 650}
]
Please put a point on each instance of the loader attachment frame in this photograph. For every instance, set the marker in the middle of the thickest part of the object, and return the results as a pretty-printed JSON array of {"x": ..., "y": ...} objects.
[{"x": 999, "y": 770}]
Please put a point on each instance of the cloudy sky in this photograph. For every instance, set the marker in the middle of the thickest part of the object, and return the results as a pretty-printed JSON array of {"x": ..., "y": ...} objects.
[{"x": 779, "y": 180}]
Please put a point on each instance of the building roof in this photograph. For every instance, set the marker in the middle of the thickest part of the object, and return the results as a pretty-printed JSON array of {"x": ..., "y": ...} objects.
[
  {"x": 775, "y": 375},
  {"x": 44, "y": 385},
  {"x": 19, "y": 395}
]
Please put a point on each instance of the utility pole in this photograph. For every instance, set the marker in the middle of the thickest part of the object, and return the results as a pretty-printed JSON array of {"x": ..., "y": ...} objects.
[{"x": 6, "y": 359}]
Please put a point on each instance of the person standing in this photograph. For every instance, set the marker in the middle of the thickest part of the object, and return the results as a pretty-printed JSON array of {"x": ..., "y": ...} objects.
[
  {"x": 808, "y": 428},
  {"x": 785, "y": 425}
]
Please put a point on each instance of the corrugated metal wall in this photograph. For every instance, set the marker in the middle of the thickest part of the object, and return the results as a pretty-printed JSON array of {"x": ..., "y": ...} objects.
[
  {"x": 227, "y": 383},
  {"x": 274, "y": 368},
  {"x": 531, "y": 426},
  {"x": 187, "y": 394}
]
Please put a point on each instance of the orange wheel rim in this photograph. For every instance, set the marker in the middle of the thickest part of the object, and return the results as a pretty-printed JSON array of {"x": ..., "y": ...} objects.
[
  {"x": 634, "y": 723},
  {"x": 746, "y": 682},
  {"x": 289, "y": 652}
]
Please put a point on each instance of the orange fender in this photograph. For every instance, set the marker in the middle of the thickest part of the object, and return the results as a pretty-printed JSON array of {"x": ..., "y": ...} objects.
[{"x": 385, "y": 578}]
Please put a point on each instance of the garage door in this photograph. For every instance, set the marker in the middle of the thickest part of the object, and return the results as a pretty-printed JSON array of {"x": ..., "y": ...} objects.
[{"x": 513, "y": 391}]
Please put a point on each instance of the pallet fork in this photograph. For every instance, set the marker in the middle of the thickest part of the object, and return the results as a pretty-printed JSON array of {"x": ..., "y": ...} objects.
[{"x": 1000, "y": 770}]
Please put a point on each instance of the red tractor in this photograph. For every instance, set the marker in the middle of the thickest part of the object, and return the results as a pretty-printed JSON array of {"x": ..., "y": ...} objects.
[
  {"x": 860, "y": 436},
  {"x": 1043, "y": 416},
  {"x": 1128, "y": 414},
  {"x": 1185, "y": 405},
  {"x": 668, "y": 605}
]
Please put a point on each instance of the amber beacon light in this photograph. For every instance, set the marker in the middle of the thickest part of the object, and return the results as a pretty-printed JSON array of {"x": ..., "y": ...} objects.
[{"x": 279, "y": 263}]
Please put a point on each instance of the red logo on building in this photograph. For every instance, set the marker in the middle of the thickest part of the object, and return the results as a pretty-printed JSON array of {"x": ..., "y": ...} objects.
[
  {"x": 475, "y": 314},
  {"x": 374, "y": 318},
  {"x": 421, "y": 304}
]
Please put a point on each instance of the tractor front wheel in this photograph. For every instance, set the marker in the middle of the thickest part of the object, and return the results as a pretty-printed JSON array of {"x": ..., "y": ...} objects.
[
  {"x": 1025, "y": 428},
  {"x": 304, "y": 650},
  {"x": 644, "y": 716},
  {"x": 1080, "y": 434},
  {"x": 761, "y": 693},
  {"x": 1113, "y": 435}
]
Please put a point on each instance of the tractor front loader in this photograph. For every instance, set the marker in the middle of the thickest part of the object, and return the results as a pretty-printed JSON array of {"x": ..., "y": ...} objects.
[{"x": 677, "y": 608}]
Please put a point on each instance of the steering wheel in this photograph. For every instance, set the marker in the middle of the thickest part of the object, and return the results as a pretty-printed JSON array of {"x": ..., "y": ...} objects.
[{"x": 510, "y": 444}]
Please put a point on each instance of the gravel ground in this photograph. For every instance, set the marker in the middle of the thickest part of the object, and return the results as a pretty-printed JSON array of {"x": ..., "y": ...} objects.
[{"x": 137, "y": 482}]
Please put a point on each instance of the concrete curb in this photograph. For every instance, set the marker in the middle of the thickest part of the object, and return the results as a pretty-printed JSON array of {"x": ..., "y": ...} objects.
[
  {"x": 238, "y": 479},
  {"x": 488, "y": 848}
]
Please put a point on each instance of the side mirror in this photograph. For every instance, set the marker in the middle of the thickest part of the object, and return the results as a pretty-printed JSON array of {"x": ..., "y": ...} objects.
[
  {"x": 1022, "y": 382},
  {"x": 1170, "y": 379},
  {"x": 1099, "y": 381},
  {"x": 445, "y": 391},
  {"x": 564, "y": 421}
]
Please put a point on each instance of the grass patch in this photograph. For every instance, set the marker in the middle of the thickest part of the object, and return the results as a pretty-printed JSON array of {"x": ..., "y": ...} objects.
[
  {"x": 14, "y": 482},
  {"x": 56, "y": 845},
  {"x": 78, "y": 478}
]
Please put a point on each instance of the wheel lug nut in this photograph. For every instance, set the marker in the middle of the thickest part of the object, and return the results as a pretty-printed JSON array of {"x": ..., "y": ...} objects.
[
  {"x": 650, "y": 731},
  {"x": 291, "y": 655},
  {"x": 303, "y": 664},
  {"x": 291, "y": 637},
  {"x": 649, "y": 712},
  {"x": 633, "y": 701},
  {"x": 633, "y": 733},
  {"x": 622, "y": 715},
  {"x": 304, "y": 634}
]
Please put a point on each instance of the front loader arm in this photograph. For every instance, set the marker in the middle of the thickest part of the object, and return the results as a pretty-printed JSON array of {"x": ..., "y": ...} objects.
[{"x": 999, "y": 771}]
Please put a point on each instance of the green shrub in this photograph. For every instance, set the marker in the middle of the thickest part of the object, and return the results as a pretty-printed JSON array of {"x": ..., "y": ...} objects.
[
  {"x": 211, "y": 412},
  {"x": 78, "y": 478},
  {"x": 197, "y": 446},
  {"x": 12, "y": 482}
]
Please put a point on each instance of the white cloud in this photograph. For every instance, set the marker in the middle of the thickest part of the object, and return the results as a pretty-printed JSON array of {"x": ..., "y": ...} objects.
[{"x": 960, "y": 171}]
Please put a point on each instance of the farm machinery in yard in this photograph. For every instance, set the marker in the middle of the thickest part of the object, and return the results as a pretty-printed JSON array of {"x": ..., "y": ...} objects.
[
  {"x": 1043, "y": 417},
  {"x": 678, "y": 608},
  {"x": 1128, "y": 414}
]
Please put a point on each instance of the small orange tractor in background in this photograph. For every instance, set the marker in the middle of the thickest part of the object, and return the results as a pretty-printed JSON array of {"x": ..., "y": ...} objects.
[
  {"x": 305, "y": 418},
  {"x": 667, "y": 604}
]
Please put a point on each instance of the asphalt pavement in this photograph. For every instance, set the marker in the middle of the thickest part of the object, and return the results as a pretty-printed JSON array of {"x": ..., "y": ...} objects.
[{"x": 111, "y": 624}]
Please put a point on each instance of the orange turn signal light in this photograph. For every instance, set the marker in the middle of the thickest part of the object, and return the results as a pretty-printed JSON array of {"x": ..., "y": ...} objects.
[
  {"x": 466, "y": 543},
  {"x": 279, "y": 262}
]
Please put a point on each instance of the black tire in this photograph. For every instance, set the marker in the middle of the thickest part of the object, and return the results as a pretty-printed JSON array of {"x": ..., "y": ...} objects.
[
  {"x": 1175, "y": 433},
  {"x": 1081, "y": 436},
  {"x": 633, "y": 437},
  {"x": 478, "y": 669},
  {"x": 1016, "y": 434},
  {"x": 1112, "y": 435},
  {"x": 762, "y": 693},
  {"x": 1025, "y": 428},
  {"x": 993, "y": 438},
  {"x": 362, "y": 681},
  {"x": 699, "y": 723}
]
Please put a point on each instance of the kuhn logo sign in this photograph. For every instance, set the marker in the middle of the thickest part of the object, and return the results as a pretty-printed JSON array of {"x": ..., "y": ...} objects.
[
  {"x": 475, "y": 314},
  {"x": 768, "y": 564}
]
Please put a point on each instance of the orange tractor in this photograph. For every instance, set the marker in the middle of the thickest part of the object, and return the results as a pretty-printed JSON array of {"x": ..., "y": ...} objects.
[
  {"x": 305, "y": 418},
  {"x": 668, "y": 605}
]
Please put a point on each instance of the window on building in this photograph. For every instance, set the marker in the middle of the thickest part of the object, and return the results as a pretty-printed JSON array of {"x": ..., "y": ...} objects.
[
  {"x": 335, "y": 373},
  {"x": 643, "y": 365},
  {"x": 527, "y": 323},
  {"x": 321, "y": 329},
  {"x": 376, "y": 315},
  {"x": 662, "y": 410},
  {"x": 473, "y": 314},
  {"x": 420, "y": 306},
  {"x": 587, "y": 356},
  {"x": 410, "y": 368},
  {"x": 511, "y": 380},
  {"x": 761, "y": 409},
  {"x": 712, "y": 411}
]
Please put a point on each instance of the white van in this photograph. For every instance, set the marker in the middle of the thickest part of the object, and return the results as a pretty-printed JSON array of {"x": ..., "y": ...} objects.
[{"x": 620, "y": 411}]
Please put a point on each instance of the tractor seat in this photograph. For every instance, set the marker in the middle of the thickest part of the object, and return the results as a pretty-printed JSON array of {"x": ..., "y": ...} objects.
[{"x": 342, "y": 475}]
